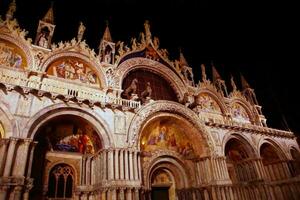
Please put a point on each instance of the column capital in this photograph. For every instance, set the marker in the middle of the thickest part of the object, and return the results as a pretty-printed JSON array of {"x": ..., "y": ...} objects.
[{"x": 4, "y": 141}]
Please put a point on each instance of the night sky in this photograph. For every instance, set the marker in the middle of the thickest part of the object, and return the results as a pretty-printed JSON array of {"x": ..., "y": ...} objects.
[{"x": 259, "y": 40}]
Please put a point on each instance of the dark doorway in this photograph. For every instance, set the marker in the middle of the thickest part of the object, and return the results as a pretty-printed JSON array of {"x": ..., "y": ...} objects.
[{"x": 160, "y": 193}]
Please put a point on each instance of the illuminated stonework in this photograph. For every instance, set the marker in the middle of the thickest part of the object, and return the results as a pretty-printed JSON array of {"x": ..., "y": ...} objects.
[{"x": 129, "y": 123}]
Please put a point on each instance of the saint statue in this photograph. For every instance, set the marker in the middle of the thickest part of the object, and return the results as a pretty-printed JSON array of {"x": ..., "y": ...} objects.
[{"x": 81, "y": 30}]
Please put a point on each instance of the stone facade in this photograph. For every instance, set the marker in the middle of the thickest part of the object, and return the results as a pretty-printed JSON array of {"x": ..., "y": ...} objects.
[{"x": 70, "y": 127}]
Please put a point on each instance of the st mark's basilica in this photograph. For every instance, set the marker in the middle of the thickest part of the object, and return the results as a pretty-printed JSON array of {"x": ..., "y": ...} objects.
[{"x": 128, "y": 123}]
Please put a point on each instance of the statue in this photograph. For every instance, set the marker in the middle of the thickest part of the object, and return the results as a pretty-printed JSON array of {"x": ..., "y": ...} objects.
[
  {"x": 81, "y": 30},
  {"x": 147, "y": 92},
  {"x": 156, "y": 42},
  {"x": 203, "y": 72},
  {"x": 121, "y": 48},
  {"x": 131, "y": 89},
  {"x": 133, "y": 42},
  {"x": 147, "y": 31},
  {"x": 11, "y": 10}
]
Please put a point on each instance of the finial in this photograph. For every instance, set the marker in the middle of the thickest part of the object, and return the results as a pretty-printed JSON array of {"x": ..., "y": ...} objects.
[
  {"x": 233, "y": 84},
  {"x": 147, "y": 31},
  {"x": 204, "y": 78},
  {"x": 11, "y": 10},
  {"x": 49, "y": 17},
  {"x": 81, "y": 30}
]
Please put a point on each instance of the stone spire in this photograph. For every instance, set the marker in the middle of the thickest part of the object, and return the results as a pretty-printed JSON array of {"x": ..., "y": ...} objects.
[
  {"x": 218, "y": 81},
  {"x": 233, "y": 85},
  {"x": 182, "y": 60},
  {"x": 107, "y": 35},
  {"x": 245, "y": 84},
  {"x": 11, "y": 10},
  {"x": 215, "y": 74},
  {"x": 107, "y": 47},
  {"x": 45, "y": 30},
  {"x": 49, "y": 17}
]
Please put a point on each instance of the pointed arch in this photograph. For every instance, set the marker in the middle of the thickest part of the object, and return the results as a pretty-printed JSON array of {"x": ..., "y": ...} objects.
[{"x": 8, "y": 122}]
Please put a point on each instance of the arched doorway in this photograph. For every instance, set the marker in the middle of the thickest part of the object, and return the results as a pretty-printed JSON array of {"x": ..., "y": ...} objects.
[
  {"x": 61, "y": 182},
  {"x": 295, "y": 162},
  {"x": 274, "y": 162},
  {"x": 240, "y": 168},
  {"x": 64, "y": 138},
  {"x": 169, "y": 146}
]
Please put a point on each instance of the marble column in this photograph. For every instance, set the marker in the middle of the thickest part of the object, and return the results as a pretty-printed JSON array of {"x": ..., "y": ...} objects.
[
  {"x": 83, "y": 173},
  {"x": 121, "y": 194},
  {"x": 104, "y": 162},
  {"x": 10, "y": 156},
  {"x": 3, "y": 192},
  {"x": 131, "y": 171},
  {"x": 113, "y": 194},
  {"x": 136, "y": 194},
  {"x": 139, "y": 166},
  {"x": 33, "y": 144},
  {"x": 3, "y": 148},
  {"x": 122, "y": 164},
  {"x": 110, "y": 165},
  {"x": 17, "y": 192},
  {"x": 116, "y": 164},
  {"x": 126, "y": 165},
  {"x": 24, "y": 156},
  {"x": 128, "y": 194},
  {"x": 135, "y": 165}
]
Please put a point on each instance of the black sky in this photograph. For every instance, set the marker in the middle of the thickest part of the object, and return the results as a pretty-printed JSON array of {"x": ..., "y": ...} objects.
[{"x": 259, "y": 40}]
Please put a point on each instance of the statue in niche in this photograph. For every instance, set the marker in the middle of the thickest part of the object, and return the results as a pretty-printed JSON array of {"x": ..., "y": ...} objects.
[
  {"x": 110, "y": 78},
  {"x": 43, "y": 40},
  {"x": 131, "y": 89},
  {"x": 107, "y": 54},
  {"x": 147, "y": 92}
]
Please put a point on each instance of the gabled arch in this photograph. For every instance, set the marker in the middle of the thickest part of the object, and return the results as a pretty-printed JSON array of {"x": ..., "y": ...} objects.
[
  {"x": 55, "y": 110},
  {"x": 22, "y": 44},
  {"x": 143, "y": 63},
  {"x": 216, "y": 97},
  {"x": 246, "y": 105},
  {"x": 92, "y": 64}
]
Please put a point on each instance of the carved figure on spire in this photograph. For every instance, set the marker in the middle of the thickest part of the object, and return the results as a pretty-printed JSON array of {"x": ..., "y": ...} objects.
[
  {"x": 147, "y": 31},
  {"x": 81, "y": 30},
  {"x": 11, "y": 10},
  {"x": 203, "y": 73}
]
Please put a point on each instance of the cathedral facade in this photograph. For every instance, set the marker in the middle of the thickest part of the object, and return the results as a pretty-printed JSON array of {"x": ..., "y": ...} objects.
[{"x": 128, "y": 123}]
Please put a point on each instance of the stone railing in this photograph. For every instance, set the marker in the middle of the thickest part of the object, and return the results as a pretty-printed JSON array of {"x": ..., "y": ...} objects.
[
  {"x": 228, "y": 124},
  {"x": 67, "y": 89}
]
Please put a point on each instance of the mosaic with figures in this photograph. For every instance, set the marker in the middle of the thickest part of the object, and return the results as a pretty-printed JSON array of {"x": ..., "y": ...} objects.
[
  {"x": 167, "y": 135},
  {"x": 73, "y": 69},
  {"x": 11, "y": 55}
]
